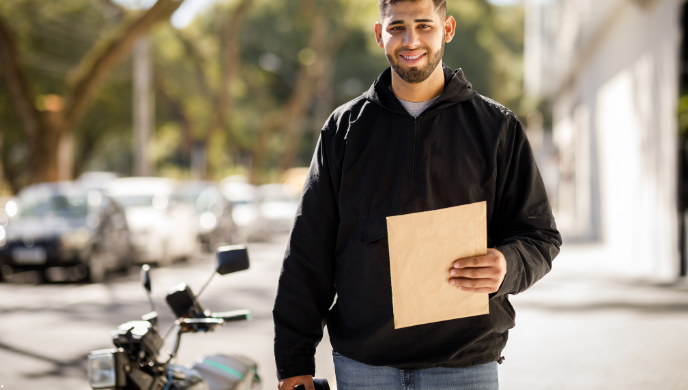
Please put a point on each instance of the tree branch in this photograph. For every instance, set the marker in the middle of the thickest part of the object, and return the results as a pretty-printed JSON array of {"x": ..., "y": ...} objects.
[
  {"x": 198, "y": 62},
  {"x": 92, "y": 74}
]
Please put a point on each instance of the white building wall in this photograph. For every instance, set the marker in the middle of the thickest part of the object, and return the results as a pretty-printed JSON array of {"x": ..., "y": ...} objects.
[{"x": 610, "y": 69}]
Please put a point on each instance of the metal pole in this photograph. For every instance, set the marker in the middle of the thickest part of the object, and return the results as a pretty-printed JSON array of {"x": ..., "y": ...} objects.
[{"x": 144, "y": 119}]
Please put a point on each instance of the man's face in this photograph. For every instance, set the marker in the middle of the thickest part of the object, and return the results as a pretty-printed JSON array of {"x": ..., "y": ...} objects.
[{"x": 413, "y": 37}]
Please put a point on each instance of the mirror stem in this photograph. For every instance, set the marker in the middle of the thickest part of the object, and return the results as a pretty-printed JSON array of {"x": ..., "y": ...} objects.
[
  {"x": 205, "y": 285},
  {"x": 150, "y": 299}
]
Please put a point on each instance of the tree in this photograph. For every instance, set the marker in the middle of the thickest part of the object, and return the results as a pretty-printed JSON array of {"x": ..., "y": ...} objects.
[
  {"x": 328, "y": 26},
  {"x": 251, "y": 81},
  {"x": 47, "y": 129},
  {"x": 214, "y": 77}
]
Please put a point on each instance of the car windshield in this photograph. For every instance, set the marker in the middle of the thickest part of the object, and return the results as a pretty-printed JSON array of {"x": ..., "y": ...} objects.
[
  {"x": 134, "y": 200},
  {"x": 277, "y": 198},
  {"x": 199, "y": 197},
  {"x": 276, "y": 193},
  {"x": 50, "y": 203}
]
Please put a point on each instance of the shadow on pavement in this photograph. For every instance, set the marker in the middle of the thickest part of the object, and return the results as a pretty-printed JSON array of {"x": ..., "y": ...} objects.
[{"x": 60, "y": 368}]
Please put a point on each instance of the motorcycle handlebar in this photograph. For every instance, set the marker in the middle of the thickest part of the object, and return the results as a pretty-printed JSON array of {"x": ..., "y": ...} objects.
[
  {"x": 205, "y": 321},
  {"x": 235, "y": 315},
  {"x": 319, "y": 384},
  {"x": 204, "y": 324}
]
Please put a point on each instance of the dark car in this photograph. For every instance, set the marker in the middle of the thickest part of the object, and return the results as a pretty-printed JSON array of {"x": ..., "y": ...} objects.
[
  {"x": 64, "y": 225},
  {"x": 215, "y": 224}
]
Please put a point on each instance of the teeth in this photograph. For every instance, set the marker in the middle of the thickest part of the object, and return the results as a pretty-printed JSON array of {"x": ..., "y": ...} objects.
[{"x": 412, "y": 58}]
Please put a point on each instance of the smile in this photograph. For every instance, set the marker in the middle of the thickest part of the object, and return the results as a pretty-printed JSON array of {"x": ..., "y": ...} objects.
[{"x": 413, "y": 57}]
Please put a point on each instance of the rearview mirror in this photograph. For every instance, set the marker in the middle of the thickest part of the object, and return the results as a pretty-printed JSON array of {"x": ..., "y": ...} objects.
[
  {"x": 145, "y": 278},
  {"x": 231, "y": 258}
]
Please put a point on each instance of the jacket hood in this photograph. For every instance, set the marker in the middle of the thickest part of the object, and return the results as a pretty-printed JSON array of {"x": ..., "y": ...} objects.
[{"x": 456, "y": 89}]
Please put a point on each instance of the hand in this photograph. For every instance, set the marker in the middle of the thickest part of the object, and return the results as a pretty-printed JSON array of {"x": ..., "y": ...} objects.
[
  {"x": 289, "y": 383},
  {"x": 481, "y": 274}
]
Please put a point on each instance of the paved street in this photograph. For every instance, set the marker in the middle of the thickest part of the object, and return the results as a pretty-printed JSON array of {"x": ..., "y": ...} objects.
[{"x": 575, "y": 329}]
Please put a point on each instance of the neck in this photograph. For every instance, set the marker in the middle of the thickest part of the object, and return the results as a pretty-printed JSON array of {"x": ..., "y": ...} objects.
[{"x": 419, "y": 92}]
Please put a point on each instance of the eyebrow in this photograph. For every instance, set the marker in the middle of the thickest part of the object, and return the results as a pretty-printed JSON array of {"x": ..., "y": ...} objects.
[{"x": 416, "y": 21}]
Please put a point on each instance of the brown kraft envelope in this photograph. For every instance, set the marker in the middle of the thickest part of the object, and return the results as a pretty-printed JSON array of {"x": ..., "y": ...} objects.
[{"x": 422, "y": 248}]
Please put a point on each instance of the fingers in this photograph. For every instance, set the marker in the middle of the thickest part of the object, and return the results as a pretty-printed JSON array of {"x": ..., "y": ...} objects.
[
  {"x": 482, "y": 274},
  {"x": 475, "y": 273},
  {"x": 489, "y": 260},
  {"x": 485, "y": 285},
  {"x": 304, "y": 382}
]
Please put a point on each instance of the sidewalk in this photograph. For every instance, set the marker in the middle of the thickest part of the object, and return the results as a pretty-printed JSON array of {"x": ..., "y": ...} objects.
[{"x": 582, "y": 328}]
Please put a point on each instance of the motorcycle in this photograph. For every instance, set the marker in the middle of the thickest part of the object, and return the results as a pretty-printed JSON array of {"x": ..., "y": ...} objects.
[{"x": 134, "y": 362}]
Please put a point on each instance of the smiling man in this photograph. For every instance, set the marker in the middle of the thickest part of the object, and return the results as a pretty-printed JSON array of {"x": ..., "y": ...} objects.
[{"x": 419, "y": 139}]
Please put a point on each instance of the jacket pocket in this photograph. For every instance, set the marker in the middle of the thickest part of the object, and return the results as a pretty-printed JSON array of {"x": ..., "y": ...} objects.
[{"x": 375, "y": 230}]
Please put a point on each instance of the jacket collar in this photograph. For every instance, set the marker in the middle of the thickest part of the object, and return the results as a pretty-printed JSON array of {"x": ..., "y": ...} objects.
[{"x": 456, "y": 89}]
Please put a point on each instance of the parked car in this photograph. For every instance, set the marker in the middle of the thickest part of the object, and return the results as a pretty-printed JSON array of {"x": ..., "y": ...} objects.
[
  {"x": 213, "y": 213},
  {"x": 251, "y": 226},
  {"x": 96, "y": 179},
  {"x": 51, "y": 225},
  {"x": 277, "y": 204},
  {"x": 163, "y": 229}
]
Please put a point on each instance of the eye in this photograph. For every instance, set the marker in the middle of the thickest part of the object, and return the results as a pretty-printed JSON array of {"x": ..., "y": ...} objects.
[{"x": 397, "y": 28}]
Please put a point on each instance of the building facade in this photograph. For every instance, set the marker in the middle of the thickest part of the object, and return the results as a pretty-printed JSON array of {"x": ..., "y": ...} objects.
[{"x": 610, "y": 71}]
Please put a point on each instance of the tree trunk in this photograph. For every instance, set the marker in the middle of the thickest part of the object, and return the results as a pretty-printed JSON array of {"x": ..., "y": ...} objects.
[
  {"x": 220, "y": 97},
  {"x": 231, "y": 65},
  {"x": 290, "y": 120},
  {"x": 45, "y": 129}
]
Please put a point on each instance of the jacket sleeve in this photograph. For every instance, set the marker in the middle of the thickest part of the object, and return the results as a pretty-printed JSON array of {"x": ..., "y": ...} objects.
[
  {"x": 523, "y": 220},
  {"x": 306, "y": 284}
]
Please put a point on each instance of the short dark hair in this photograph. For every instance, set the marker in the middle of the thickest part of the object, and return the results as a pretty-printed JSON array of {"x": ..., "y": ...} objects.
[{"x": 440, "y": 6}]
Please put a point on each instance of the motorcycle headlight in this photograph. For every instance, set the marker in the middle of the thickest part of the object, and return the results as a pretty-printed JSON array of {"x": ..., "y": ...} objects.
[{"x": 106, "y": 369}]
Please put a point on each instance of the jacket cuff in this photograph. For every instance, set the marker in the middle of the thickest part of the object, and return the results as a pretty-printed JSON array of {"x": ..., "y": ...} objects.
[
  {"x": 513, "y": 271},
  {"x": 289, "y": 366}
]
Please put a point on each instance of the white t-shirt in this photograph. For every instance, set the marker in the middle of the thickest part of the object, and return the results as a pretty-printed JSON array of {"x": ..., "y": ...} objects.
[{"x": 416, "y": 109}]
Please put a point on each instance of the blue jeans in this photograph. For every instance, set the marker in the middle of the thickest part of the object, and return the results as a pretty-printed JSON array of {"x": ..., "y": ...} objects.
[{"x": 352, "y": 375}]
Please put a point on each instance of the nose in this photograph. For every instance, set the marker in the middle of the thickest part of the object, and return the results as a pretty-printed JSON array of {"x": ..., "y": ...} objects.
[{"x": 411, "y": 38}]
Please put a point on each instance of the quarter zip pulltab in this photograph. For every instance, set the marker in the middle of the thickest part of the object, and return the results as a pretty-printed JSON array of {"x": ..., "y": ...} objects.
[{"x": 413, "y": 161}]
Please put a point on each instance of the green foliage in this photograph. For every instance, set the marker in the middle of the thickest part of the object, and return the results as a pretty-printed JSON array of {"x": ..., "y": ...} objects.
[
  {"x": 488, "y": 46},
  {"x": 683, "y": 117},
  {"x": 54, "y": 36}
]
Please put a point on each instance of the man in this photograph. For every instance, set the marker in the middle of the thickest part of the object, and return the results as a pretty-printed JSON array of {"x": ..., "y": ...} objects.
[{"x": 419, "y": 139}]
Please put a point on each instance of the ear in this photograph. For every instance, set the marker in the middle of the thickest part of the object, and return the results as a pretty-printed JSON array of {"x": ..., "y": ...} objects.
[
  {"x": 449, "y": 28},
  {"x": 378, "y": 35}
]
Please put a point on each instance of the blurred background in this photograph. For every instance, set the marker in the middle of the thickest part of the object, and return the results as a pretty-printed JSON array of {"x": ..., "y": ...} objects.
[{"x": 143, "y": 131}]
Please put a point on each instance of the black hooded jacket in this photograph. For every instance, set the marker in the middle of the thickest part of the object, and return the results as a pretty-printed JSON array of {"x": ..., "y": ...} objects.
[{"x": 374, "y": 160}]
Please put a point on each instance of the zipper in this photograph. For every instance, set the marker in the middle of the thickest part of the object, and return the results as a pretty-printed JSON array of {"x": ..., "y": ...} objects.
[{"x": 413, "y": 158}]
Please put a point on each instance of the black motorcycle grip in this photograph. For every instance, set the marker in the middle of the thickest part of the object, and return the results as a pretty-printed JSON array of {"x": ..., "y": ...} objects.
[
  {"x": 236, "y": 315},
  {"x": 320, "y": 384}
]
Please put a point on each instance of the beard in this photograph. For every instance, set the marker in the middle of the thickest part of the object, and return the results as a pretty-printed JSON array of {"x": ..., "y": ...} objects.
[{"x": 414, "y": 74}]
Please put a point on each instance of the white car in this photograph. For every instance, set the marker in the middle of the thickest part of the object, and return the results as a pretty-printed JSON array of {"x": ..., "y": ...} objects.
[
  {"x": 277, "y": 204},
  {"x": 162, "y": 229},
  {"x": 250, "y": 224}
]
